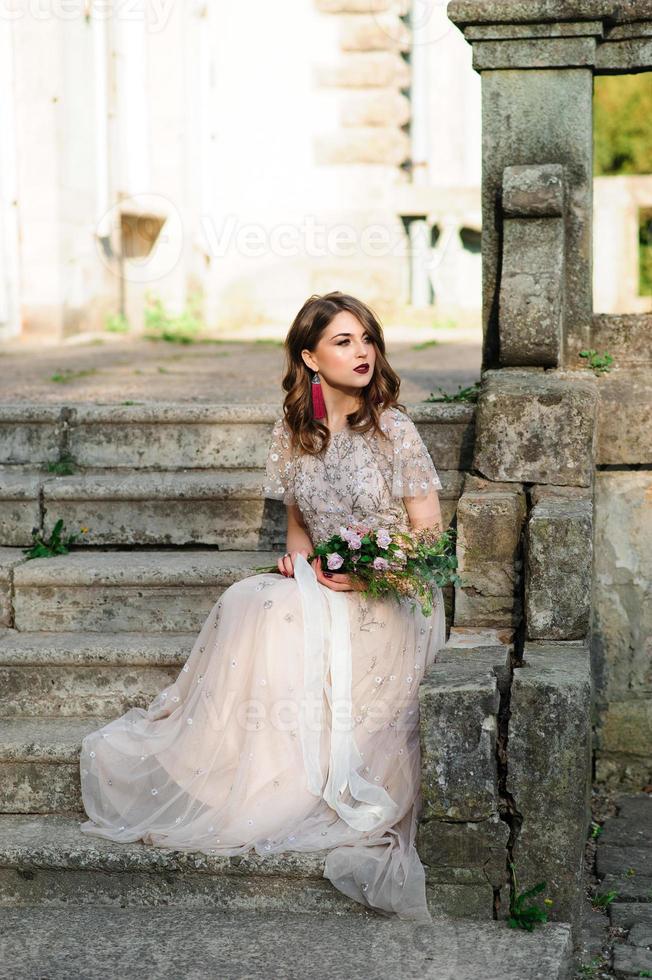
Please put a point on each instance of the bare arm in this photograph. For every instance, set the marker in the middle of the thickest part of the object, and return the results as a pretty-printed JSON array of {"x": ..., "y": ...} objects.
[
  {"x": 424, "y": 511},
  {"x": 297, "y": 539}
]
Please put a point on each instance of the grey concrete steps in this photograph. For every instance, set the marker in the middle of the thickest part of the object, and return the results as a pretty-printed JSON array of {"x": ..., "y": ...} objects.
[
  {"x": 47, "y": 860},
  {"x": 212, "y": 942},
  {"x": 170, "y": 474},
  {"x": 229, "y": 907},
  {"x": 168, "y": 435},
  {"x": 127, "y": 591},
  {"x": 142, "y": 507},
  {"x": 39, "y": 763},
  {"x": 85, "y": 674}
]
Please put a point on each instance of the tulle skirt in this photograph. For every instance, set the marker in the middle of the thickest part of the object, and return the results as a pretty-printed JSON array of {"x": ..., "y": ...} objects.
[{"x": 292, "y": 726}]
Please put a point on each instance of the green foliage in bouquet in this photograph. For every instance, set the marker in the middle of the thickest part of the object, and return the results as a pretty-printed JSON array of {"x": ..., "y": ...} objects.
[{"x": 385, "y": 561}]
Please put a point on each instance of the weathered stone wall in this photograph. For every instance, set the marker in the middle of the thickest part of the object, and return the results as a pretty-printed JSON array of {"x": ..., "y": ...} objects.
[{"x": 550, "y": 542}]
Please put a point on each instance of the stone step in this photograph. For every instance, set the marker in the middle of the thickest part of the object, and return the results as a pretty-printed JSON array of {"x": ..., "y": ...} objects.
[
  {"x": 47, "y": 860},
  {"x": 168, "y": 507},
  {"x": 86, "y": 674},
  {"x": 169, "y": 435},
  {"x": 127, "y": 591},
  {"x": 140, "y": 507},
  {"x": 56, "y": 943},
  {"x": 39, "y": 763}
]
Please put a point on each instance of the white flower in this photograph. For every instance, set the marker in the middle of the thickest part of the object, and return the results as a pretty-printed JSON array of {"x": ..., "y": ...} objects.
[
  {"x": 383, "y": 537},
  {"x": 334, "y": 561}
]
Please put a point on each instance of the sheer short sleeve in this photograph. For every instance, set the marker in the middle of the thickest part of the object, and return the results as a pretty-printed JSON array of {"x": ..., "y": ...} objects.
[
  {"x": 279, "y": 468},
  {"x": 413, "y": 472}
]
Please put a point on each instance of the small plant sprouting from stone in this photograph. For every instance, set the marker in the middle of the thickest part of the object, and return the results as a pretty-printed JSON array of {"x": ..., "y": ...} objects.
[
  {"x": 596, "y": 829},
  {"x": 590, "y": 969},
  {"x": 55, "y": 544},
  {"x": 603, "y": 899},
  {"x": 469, "y": 394},
  {"x": 630, "y": 872},
  {"x": 522, "y": 916},
  {"x": 64, "y": 466},
  {"x": 600, "y": 363}
]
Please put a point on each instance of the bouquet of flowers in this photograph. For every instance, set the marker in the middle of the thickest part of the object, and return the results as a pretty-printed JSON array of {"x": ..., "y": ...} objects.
[{"x": 392, "y": 562}]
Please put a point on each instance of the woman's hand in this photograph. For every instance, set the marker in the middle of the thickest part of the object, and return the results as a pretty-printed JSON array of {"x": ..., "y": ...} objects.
[
  {"x": 338, "y": 581},
  {"x": 285, "y": 563}
]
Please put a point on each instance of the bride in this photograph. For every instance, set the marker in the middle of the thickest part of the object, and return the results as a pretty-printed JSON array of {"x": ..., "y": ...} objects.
[{"x": 294, "y": 723}]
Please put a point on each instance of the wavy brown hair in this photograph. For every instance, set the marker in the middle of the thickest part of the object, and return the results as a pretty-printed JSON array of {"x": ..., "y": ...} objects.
[{"x": 309, "y": 324}]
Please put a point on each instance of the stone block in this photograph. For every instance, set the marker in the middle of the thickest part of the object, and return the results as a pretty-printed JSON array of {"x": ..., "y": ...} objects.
[
  {"x": 489, "y": 528},
  {"x": 488, "y": 32},
  {"x": 531, "y": 300},
  {"x": 464, "y": 857},
  {"x": 382, "y": 107},
  {"x": 625, "y": 408},
  {"x": 459, "y": 700},
  {"x": 625, "y": 336},
  {"x": 461, "y": 838},
  {"x": 369, "y": 69},
  {"x": 631, "y": 961},
  {"x": 161, "y": 591},
  {"x": 626, "y": 56},
  {"x": 31, "y": 433},
  {"x": 376, "y": 32},
  {"x": 463, "y": 12},
  {"x": 364, "y": 144},
  {"x": 558, "y": 568},
  {"x": 171, "y": 436},
  {"x": 549, "y": 770},
  {"x": 398, "y": 7},
  {"x": 471, "y": 636},
  {"x": 212, "y": 507},
  {"x": 535, "y": 116},
  {"x": 44, "y": 690},
  {"x": 448, "y": 432},
  {"x": 553, "y": 52},
  {"x": 536, "y": 427},
  {"x": 622, "y": 601},
  {"x": 624, "y": 743},
  {"x": 531, "y": 191}
]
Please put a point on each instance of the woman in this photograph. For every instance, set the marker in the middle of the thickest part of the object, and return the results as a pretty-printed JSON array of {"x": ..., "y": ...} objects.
[{"x": 293, "y": 725}]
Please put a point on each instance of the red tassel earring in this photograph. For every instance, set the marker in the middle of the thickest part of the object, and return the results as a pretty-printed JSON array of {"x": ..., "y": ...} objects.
[{"x": 318, "y": 406}]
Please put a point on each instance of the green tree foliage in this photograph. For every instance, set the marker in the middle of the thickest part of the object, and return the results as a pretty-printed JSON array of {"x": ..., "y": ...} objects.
[{"x": 622, "y": 130}]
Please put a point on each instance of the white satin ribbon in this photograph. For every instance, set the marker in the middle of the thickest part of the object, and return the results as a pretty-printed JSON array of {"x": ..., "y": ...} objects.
[
  {"x": 314, "y": 670},
  {"x": 374, "y": 804}
]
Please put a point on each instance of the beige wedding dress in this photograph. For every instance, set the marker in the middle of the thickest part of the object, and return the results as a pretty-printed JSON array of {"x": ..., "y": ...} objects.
[{"x": 293, "y": 725}]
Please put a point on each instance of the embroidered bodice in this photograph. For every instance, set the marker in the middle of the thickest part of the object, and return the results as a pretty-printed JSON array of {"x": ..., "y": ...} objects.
[{"x": 359, "y": 477}]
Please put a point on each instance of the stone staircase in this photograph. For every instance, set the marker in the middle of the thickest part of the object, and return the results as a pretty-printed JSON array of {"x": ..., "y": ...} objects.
[{"x": 170, "y": 495}]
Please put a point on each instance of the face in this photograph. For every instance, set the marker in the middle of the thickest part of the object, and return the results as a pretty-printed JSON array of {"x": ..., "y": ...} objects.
[{"x": 343, "y": 346}]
